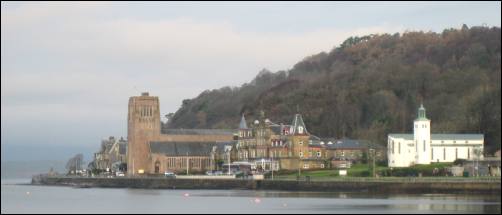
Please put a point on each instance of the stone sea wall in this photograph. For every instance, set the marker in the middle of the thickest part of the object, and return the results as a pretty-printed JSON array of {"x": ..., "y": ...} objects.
[{"x": 285, "y": 185}]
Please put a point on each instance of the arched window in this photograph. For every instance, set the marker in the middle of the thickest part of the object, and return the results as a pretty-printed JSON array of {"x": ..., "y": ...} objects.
[
  {"x": 157, "y": 166},
  {"x": 424, "y": 145}
]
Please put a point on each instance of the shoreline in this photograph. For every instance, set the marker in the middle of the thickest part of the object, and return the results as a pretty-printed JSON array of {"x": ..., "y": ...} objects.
[{"x": 393, "y": 186}]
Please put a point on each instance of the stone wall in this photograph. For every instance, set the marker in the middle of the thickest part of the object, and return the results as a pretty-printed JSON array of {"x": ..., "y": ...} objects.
[{"x": 492, "y": 187}]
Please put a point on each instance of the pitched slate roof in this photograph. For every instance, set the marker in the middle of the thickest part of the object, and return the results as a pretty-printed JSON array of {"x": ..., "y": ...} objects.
[
  {"x": 183, "y": 131},
  {"x": 243, "y": 124},
  {"x": 175, "y": 148},
  {"x": 403, "y": 136},
  {"x": 456, "y": 136},
  {"x": 349, "y": 144},
  {"x": 297, "y": 122},
  {"x": 443, "y": 136}
]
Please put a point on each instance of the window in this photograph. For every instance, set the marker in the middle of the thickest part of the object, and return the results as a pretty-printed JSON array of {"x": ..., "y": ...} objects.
[
  {"x": 319, "y": 155},
  {"x": 301, "y": 154},
  {"x": 423, "y": 126},
  {"x": 444, "y": 153},
  {"x": 392, "y": 147},
  {"x": 322, "y": 165},
  {"x": 306, "y": 166},
  {"x": 456, "y": 153},
  {"x": 301, "y": 142},
  {"x": 424, "y": 145},
  {"x": 432, "y": 153},
  {"x": 300, "y": 129},
  {"x": 468, "y": 153},
  {"x": 399, "y": 148}
]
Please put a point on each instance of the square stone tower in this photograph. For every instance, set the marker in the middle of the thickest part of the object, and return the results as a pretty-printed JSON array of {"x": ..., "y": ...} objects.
[{"x": 143, "y": 126}]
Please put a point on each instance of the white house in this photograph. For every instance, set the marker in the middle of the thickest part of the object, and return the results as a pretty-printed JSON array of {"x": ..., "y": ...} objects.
[{"x": 422, "y": 147}]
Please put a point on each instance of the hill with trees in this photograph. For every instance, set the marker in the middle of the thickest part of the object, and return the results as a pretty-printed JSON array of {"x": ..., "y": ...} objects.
[{"x": 372, "y": 85}]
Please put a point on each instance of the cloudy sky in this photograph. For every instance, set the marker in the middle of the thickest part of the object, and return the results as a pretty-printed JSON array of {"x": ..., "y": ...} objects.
[{"x": 68, "y": 69}]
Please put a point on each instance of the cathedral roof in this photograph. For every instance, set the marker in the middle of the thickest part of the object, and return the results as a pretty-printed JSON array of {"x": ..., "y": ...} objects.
[
  {"x": 176, "y": 148},
  {"x": 182, "y": 131}
]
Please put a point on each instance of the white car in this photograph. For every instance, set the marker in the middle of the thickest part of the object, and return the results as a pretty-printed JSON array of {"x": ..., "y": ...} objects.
[{"x": 120, "y": 174}]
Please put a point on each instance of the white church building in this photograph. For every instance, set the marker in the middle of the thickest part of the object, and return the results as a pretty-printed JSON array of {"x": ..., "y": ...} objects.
[{"x": 422, "y": 147}]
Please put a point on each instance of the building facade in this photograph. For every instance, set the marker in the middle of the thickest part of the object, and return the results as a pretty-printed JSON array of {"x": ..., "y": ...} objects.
[
  {"x": 148, "y": 141},
  {"x": 113, "y": 152},
  {"x": 422, "y": 147}
]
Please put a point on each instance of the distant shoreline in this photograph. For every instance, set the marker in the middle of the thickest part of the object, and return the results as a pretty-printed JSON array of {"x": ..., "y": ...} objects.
[{"x": 375, "y": 186}]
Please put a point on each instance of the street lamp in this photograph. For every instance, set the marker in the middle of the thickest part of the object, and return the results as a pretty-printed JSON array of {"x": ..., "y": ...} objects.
[
  {"x": 477, "y": 151},
  {"x": 372, "y": 153}
]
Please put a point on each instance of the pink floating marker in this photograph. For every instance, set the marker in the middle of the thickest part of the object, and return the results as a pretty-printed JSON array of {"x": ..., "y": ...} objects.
[
  {"x": 186, "y": 195},
  {"x": 257, "y": 200}
]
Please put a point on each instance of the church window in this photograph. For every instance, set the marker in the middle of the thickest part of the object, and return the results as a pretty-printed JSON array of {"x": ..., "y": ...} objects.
[
  {"x": 444, "y": 153},
  {"x": 392, "y": 147},
  {"x": 456, "y": 153},
  {"x": 300, "y": 129},
  {"x": 399, "y": 148},
  {"x": 424, "y": 145}
]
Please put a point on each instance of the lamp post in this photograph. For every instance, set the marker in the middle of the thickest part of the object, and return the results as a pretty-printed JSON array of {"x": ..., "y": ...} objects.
[
  {"x": 477, "y": 151},
  {"x": 272, "y": 167},
  {"x": 228, "y": 156},
  {"x": 372, "y": 153}
]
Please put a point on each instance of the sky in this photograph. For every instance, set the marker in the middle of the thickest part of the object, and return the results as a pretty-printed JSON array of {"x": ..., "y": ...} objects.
[{"x": 68, "y": 68}]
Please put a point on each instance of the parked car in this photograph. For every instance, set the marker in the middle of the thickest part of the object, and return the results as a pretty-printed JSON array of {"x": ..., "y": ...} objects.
[
  {"x": 120, "y": 174},
  {"x": 169, "y": 174}
]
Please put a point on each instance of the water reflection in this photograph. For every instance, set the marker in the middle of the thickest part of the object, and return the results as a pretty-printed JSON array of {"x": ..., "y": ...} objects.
[{"x": 48, "y": 199}]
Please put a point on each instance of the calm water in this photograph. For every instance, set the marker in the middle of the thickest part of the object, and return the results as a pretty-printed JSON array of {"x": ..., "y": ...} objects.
[{"x": 44, "y": 199}]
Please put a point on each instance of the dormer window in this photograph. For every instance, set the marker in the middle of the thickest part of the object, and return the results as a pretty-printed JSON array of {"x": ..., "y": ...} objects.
[{"x": 300, "y": 129}]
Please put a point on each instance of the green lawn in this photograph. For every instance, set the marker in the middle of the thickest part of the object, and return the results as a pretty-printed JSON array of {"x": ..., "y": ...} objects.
[{"x": 355, "y": 170}]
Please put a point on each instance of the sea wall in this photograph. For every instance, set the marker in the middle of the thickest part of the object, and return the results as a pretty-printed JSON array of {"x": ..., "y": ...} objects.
[{"x": 287, "y": 185}]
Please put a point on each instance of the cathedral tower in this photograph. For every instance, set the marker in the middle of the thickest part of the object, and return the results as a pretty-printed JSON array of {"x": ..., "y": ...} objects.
[{"x": 143, "y": 125}]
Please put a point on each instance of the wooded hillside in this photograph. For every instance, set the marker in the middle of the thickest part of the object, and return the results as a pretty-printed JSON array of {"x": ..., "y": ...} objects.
[{"x": 371, "y": 86}]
